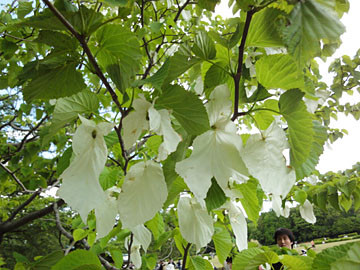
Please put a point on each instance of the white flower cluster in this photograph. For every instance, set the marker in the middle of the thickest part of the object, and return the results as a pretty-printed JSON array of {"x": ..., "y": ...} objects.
[{"x": 218, "y": 153}]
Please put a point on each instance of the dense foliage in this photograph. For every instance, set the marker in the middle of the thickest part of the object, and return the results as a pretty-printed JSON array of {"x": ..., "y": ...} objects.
[{"x": 129, "y": 109}]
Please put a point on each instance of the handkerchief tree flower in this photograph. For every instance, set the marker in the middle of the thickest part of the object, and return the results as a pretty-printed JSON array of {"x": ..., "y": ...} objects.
[{"x": 150, "y": 126}]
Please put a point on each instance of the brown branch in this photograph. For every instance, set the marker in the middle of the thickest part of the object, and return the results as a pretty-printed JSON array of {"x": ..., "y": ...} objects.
[
  {"x": 180, "y": 10},
  {"x": 82, "y": 39},
  {"x": 10, "y": 226},
  {"x": 186, "y": 251},
  {"x": 238, "y": 74},
  {"x": 23, "y": 205}
]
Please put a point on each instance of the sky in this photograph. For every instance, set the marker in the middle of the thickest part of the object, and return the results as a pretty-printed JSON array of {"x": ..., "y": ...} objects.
[{"x": 345, "y": 152}]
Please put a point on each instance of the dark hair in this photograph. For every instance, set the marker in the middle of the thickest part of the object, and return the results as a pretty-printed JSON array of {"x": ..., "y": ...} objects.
[
  {"x": 229, "y": 259},
  {"x": 284, "y": 231}
]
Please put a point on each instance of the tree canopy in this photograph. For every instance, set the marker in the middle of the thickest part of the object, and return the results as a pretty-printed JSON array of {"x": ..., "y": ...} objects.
[{"x": 131, "y": 109}]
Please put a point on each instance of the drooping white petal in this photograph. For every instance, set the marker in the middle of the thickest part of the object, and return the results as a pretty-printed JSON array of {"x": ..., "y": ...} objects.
[
  {"x": 80, "y": 187},
  {"x": 135, "y": 123},
  {"x": 307, "y": 212},
  {"x": 196, "y": 225},
  {"x": 277, "y": 207},
  {"x": 239, "y": 225},
  {"x": 160, "y": 123},
  {"x": 134, "y": 252},
  {"x": 219, "y": 107},
  {"x": 265, "y": 161},
  {"x": 216, "y": 153},
  {"x": 142, "y": 236},
  {"x": 143, "y": 194},
  {"x": 106, "y": 213}
]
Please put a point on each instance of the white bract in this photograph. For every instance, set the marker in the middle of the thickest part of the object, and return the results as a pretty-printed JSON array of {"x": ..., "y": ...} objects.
[
  {"x": 216, "y": 153},
  {"x": 135, "y": 123},
  {"x": 159, "y": 122},
  {"x": 80, "y": 181},
  {"x": 238, "y": 224},
  {"x": 106, "y": 213},
  {"x": 265, "y": 161},
  {"x": 307, "y": 212},
  {"x": 276, "y": 205},
  {"x": 195, "y": 224},
  {"x": 143, "y": 194}
]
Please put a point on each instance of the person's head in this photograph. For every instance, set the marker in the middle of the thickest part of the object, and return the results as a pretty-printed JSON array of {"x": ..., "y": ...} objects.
[{"x": 284, "y": 238}]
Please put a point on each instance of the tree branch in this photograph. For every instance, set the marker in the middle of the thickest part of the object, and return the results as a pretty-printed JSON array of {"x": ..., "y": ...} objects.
[
  {"x": 23, "y": 205},
  {"x": 6, "y": 227},
  {"x": 186, "y": 251},
  {"x": 238, "y": 74},
  {"x": 82, "y": 39},
  {"x": 17, "y": 180},
  {"x": 180, "y": 10}
]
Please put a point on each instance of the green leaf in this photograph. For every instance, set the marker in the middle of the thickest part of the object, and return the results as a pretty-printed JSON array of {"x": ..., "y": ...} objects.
[
  {"x": 334, "y": 200},
  {"x": 216, "y": 75},
  {"x": 180, "y": 242},
  {"x": 46, "y": 262},
  {"x": 208, "y": 4},
  {"x": 300, "y": 196},
  {"x": 79, "y": 234},
  {"x": 172, "y": 68},
  {"x": 244, "y": 260},
  {"x": 109, "y": 177},
  {"x": 250, "y": 200},
  {"x": 264, "y": 118},
  {"x": 325, "y": 259},
  {"x": 186, "y": 107},
  {"x": 67, "y": 109},
  {"x": 156, "y": 226},
  {"x": 204, "y": 46},
  {"x": 269, "y": 257},
  {"x": 356, "y": 197},
  {"x": 64, "y": 161},
  {"x": 24, "y": 9},
  {"x": 297, "y": 262},
  {"x": 259, "y": 94},
  {"x": 222, "y": 242},
  {"x": 44, "y": 20},
  {"x": 117, "y": 256},
  {"x": 279, "y": 71},
  {"x": 300, "y": 126},
  {"x": 310, "y": 21},
  {"x": 345, "y": 202},
  {"x": 58, "y": 40},
  {"x": 8, "y": 48},
  {"x": 215, "y": 196},
  {"x": 317, "y": 148},
  {"x": 263, "y": 30},
  {"x": 350, "y": 261},
  {"x": 119, "y": 53},
  {"x": 59, "y": 82},
  {"x": 198, "y": 263},
  {"x": 77, "y": 259},
  {"x": 322, "y": 199}
]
